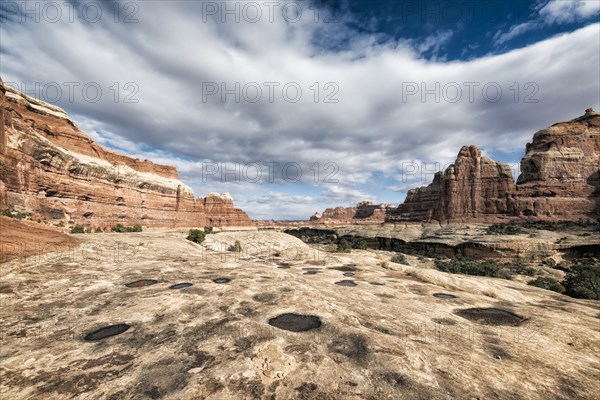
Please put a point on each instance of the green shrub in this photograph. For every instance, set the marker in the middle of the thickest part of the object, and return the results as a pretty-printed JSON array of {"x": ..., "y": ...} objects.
[
  {"x": 88, "y": 230},
  {"x": 504, "y": 229},
  {"x": 208, "y": 230},
  {"x": 399, "y": 259},
  {"x": 99, "y": 230},
  {"x": 121, "y": 229},
  {"x": 15, "y": 214},
  {"x": 520, "y": 268},
  {"x": 359, "y": 243},
  {"x": 196, "y": 236},
  {"x": 78, "y": 229},
  {"x": 471, "y": 267},
  {"x": 548, "y": 284},
  {"x": 61, "y": 224},
  {"x": 118, "y": 228},
  {"x": 514, "y": 228},
  {"x": 237, "y": 247},
  {"x": 583, "y": 282},
  {"x": 343, "y": 246}
]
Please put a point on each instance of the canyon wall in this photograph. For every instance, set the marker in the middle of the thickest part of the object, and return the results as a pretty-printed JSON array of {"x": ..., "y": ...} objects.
[
  {"x": 560, "y": 171},
  {"x": 473, "y": 188},
  {"x": 53, "y": 170},
  {"x": 560, "y": 180},
  {"x": 363, "y": 212}
]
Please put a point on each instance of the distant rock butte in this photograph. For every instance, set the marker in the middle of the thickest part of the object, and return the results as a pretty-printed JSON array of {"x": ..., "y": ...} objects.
[
  {"x": 559, "y": 181},
  {"x": 53, "y": 170},
  {"x": 365, "y": 212}
]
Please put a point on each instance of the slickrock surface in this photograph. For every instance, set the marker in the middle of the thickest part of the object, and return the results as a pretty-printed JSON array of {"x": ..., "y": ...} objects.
[
  {"x": 51, "y": 169},
  {"x": 23, "y": 239},
  {"x": 388, "y": 337}
]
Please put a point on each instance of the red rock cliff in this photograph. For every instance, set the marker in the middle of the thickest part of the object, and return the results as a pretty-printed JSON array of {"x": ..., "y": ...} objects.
[
  {"x": 473, "y": 188},
  {"x": 53, "y": 170},
  {"x": 560, "y": 170},
  {"x": 559, "y": 180}
]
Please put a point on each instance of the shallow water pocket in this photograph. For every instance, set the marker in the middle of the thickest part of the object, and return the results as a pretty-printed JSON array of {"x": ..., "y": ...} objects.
[
  {"x": 444, "y": 296},
  {"x": 106, "y": 331},
  {"x": 142, "y": 283},
  {"x": 347, "y": 283},
  {"x": 295, "y": 322},
  {"x": 180, "y": 285},
  {"x": 346, "y": 268},
  {"x": 221, "y": 280},
  {"x": 491, "y": 316}
]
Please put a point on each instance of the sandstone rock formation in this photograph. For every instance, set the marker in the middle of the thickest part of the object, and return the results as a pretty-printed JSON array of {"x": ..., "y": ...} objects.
[
  {"x": 54, "y": 171},
  {"x": 560, "y": 170},
  {"x": 473, "y": 188},
  {"x": 559, "y": 180},
  {"x": 363, "y": 212},
  {"x": 389, "y": 337}
]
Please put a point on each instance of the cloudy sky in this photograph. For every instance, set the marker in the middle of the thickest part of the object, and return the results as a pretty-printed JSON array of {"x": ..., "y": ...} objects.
[{"x": 293, "y": 107}]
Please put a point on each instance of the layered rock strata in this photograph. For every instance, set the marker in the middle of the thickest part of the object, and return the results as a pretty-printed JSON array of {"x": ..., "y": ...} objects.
[{"x": 53, "y": 170}]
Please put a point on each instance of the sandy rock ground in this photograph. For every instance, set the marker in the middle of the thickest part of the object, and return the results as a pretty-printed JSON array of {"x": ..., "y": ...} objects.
[
  {"x": 23, "y": 239},
  {"x": 387, "y": 337}
]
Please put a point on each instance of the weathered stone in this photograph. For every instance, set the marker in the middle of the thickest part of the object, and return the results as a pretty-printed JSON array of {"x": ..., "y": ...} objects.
[
  {"x": 473, "y": 188},
  {"x": 559, "y": 180},
  {"x": 560, "y": 171},
  {"x": 53, "y": 170}
]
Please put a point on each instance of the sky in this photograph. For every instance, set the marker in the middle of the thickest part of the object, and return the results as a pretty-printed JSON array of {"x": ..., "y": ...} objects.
[{"x": 295, "y": 106}]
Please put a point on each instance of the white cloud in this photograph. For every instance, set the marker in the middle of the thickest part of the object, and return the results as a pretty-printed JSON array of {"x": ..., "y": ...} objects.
[
  {"x": 514, "y": 31},
  {"x": 371, "y": 128},
  {"x": 561, "y": 11},
  {"x": 553, "y": 12}
]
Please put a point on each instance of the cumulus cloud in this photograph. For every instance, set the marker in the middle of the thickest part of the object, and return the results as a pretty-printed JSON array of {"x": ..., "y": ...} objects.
[
  {"x": 365, "y": 106},
  {"x": 560, "y": 11},
  {"x": 553, "y": 12}
]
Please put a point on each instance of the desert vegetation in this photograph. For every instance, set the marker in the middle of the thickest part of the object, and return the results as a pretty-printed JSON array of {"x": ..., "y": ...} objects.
[
  {"x": 236, "y": 247},
  {"x": 399, "y": 259},
  {"x": 547, "y": 283},
  {"x": 15, "y": 214},
  {"x": 516, "y": 228},
  {"x": 491, "y": 268},
  {"x": 196, "y": 236},
  {"x": 120, "y": 228}
]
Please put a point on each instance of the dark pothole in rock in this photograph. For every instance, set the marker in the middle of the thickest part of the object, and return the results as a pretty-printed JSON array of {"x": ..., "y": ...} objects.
[
  {"x": 295, "y": 322},
  {"x": 347, "y": 283},
  {"x": 491, "y": 316},
  {"x": 142, "y": 283},
  {"x": 348, "y": 273},
  {"x": 221, "y": 280},
  {"x": 107, "y": 331},
  {"x": 346, "y": 268},
  {"x": 180, "y": 285},
  {"x": 444, "y": 296}
]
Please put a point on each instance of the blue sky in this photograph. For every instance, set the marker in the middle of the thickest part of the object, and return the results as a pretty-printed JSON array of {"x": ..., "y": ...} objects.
[{"x": 371, "y": 92}]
